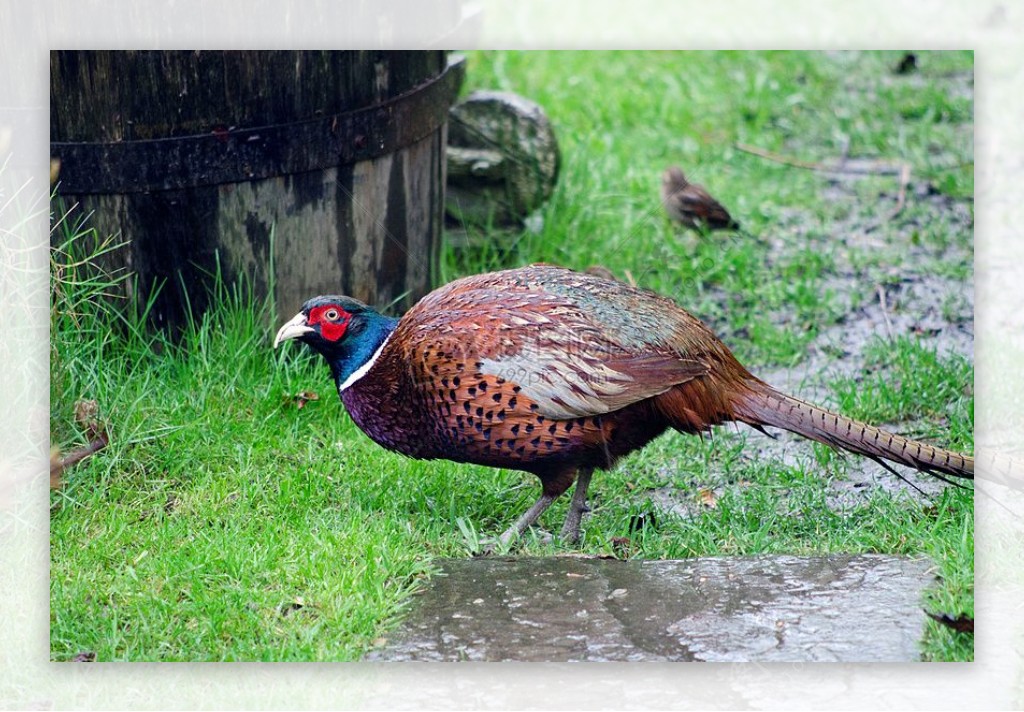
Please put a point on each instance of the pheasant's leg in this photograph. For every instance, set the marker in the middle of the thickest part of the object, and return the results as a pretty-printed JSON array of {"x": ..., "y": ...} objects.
[
  {"x": 523, "y": 523},
  {"x": 571, "y": 528}
]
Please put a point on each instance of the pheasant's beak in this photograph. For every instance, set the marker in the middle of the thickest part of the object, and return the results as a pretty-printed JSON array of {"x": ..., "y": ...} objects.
[{"x": 293, "y": 329}]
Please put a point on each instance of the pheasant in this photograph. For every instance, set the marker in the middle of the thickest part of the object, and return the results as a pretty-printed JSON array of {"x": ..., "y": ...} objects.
[
  {"x": 557, "y": 373},
  {"x": 691, "y": 204}
]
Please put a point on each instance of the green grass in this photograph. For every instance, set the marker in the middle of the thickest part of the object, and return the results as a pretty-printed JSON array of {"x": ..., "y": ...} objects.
[
  {"x": 223, "y": 522},
  {"x": 904, "y": 380}
]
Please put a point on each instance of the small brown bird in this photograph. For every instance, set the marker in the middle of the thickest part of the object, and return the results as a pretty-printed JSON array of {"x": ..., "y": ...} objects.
[
  {"x": 605, "y": 273},
  {"x": 691, "y": 204},
  {"x": 600, "y": 271},
  {"x": 557, "y": 373}
]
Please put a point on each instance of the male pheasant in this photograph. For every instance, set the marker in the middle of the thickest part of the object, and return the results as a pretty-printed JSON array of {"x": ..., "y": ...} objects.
[{"x": 557, "y": 373}]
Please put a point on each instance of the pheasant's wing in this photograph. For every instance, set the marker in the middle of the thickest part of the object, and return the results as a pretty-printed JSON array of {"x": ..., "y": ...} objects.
[
  {"x": 573, "y": 382},
  {"x": 548, "y": 345}
]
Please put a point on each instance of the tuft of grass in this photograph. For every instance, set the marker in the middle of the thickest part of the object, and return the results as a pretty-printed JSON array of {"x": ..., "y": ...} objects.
[
  {"x": 219, "y": 524},
  {"x": 904, "y": 380}
]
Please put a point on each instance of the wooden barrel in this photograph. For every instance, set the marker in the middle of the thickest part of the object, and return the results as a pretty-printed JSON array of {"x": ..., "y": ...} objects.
[{"x": 196, "y": 159}]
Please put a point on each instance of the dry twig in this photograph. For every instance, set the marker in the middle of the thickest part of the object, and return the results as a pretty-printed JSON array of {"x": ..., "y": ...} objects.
[
  {"x": 860, "y": 166},
  {"x": 95, "y": 432}
]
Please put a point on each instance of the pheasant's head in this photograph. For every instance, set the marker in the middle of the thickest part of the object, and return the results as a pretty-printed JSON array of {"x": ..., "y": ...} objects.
[{"x": 346, "y": 332}]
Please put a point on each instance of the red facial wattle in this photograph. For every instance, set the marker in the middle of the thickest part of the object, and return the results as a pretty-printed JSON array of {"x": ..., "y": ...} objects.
[{"x": 332, "y": 321}]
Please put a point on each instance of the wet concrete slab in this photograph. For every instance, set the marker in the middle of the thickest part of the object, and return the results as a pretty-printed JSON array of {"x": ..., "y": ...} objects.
[{"x": 843, "y": 608}]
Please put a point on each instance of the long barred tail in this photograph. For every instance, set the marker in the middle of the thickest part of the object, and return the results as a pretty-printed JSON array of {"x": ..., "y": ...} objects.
[{"x": 763, "y": 405}]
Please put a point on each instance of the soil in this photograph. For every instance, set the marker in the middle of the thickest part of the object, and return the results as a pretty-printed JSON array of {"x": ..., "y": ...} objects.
[{"x": 920, "y": 300}]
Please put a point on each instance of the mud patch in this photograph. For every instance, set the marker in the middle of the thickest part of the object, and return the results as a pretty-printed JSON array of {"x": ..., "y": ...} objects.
[{"x": 910, "y": 275}]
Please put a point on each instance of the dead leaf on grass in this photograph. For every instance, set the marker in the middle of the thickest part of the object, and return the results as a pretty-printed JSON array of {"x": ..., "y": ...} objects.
[
  {"x": 301, "y": 398},
  {"x": 707, "y": 498},
  {"x": 86, "y": 412},
  {"x": 622, "y": 546}
]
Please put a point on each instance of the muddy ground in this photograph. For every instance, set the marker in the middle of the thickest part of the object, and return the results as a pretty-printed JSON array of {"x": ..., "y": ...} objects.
[{"x": 911, "y": 293}]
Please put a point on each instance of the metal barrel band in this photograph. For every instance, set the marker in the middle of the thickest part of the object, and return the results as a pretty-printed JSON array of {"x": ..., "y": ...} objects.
[{"x": 244, "y": 154}]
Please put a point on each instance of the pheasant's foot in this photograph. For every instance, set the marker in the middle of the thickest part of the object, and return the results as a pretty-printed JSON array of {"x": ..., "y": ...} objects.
[
  {"x": 577, "y": 507},
  {"x": 523, "y": 523}
]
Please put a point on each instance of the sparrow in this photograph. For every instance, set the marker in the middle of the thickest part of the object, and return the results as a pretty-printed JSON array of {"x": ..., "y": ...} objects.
[
  {"x": 605, "y": 273},
  {"x": 691, "y": 204},
  {"x": 600, "y": 271}
]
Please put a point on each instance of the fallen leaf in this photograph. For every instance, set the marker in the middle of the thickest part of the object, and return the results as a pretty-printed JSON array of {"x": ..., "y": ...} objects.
[
  {"x": 301, "y": 398},
  {"x": 86, "y": 411},
  {"x": 708, "y": 498},
  {"x": 87, "y": 417}
]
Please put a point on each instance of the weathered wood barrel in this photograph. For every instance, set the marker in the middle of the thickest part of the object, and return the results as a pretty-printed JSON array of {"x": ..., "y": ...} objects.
[{"x": 326, "y": 167}]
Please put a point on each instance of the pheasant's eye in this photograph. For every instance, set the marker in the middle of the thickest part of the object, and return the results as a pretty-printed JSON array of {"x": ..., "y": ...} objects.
[{"x": 331, "y": 321}]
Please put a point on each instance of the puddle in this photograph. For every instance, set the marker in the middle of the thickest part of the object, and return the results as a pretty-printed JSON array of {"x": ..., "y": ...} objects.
[{"x": 842, "y": 608}]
